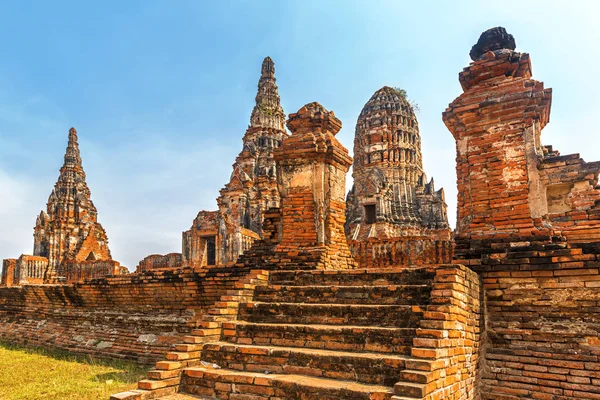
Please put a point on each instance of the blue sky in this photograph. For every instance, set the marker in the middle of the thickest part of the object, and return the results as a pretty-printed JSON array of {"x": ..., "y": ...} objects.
[{"x": 161, "y": 92}]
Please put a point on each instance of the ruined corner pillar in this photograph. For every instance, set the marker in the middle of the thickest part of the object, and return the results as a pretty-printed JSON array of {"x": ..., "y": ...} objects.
[
  {"x": 311, "y": 168},
  {"x": 7, "y": 277},
  {"x": 496, "y": 123}
]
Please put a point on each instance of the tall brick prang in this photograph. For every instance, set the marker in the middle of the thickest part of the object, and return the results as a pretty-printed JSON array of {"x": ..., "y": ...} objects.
[
  {"x": 220, "y": 237},
  {"x": 312, "y": 166},
  {"x": 69, "y": 229},
  {"x": 394, "y": 213},
  {"x": 389, "y": 181},
  {"x": 69, "y": 242}
]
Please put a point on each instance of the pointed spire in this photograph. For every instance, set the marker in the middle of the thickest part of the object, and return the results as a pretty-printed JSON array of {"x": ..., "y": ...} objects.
[
  {"x": 70, "y": 211},
  {"x": 72, "y": 156},
  {"x": 71, "y": 174},
  {"x": 267, "y": 112},
  {"x": 268, "y": 68}
]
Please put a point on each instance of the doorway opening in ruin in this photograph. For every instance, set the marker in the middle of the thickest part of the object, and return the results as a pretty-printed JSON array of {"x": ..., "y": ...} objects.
[
  {"x": 211, "y": 251},
  {"x": 370, "y": 213}
]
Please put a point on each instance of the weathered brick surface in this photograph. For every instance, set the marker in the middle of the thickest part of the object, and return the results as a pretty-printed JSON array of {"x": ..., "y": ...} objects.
[
  {"x": 392, "y": 209},
  {"x": 356, "y": 342},
  {"x": 68, "y": 239},
  {"x": 166, "y": 378},
  {"x": 572, "y": 194},
  {"x": 252, "y": 187},
  {"x": 449, "y": 339},
  {"x": 7, "y": 278},
  {"x": 422, "y": 250},
  {"x": 337, "y": 334},
  {"x": 80, "y": 271},
  {"x": 543, "y": 319},
  {"x": 137, "y": 317},
  {"x": 496, "y": 123},
  {"x": 527, "y": 224},
  {"x": 312, "y": 167},
  {"x": 196, "y": 240},
  {"x": 159, "y": 261},
  {"x": 307, "y": 231}
]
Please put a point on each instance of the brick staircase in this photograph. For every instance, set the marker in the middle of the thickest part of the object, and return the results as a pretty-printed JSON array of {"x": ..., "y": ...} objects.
[
  {"x": 163, "y": 381},
  {"x": 318, "y": 335},
  {"x": 393, "y": 334}
]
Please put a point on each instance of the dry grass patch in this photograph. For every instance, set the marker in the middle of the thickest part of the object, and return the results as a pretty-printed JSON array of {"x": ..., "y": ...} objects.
[{"x": 32, "y": 374}]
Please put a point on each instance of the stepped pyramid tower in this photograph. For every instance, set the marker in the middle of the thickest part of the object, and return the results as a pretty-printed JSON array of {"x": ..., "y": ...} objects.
[
  {"x": 68, "y": 229},
  {"x": 220, "y": 237}
]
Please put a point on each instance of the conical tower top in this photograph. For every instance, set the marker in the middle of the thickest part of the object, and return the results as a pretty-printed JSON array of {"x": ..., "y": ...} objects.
[
  {"x": 72, "y": 155},
  {"x": 267, "y": 112},
  {"x": 70, "y": 217},
  {"x": 71, "y": 195},
  {"x": 268, "y": 67}
]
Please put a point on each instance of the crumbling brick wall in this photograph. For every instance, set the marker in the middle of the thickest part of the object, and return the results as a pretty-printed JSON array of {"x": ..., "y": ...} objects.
[
  {"x": 159, "y": 261},
  {"x": 137, "y": 317},
  {"x": 543, "y": 323},
  {"x": 522, "y": 211},
  {"x": 449, "y": 339},
  {"x": 401, "y": 251},
  {"x": 78, "y": 271},
  {"x": 572, "y": 194},
  {"x": 8, "y": 272}
]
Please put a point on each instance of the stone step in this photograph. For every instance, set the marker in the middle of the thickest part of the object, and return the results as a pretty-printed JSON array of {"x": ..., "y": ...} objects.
[
  {"x": 413, "y": 390},
  {"x": 195, "y": 339},
  {"x": 328, "y": 337},
  {"x": 151, "y": 384},
  {"x": 402, "y": 316},
  {"x": 140, "y": 394},
  {"x": 206, "y": 331},
  {"x": 230, "y": 384},
  {"x": 358, "y": 277},
  {"x": 354, "y": 294},
  {"x": 182, "y": 355},
  {"x": 161, "y": 374},
  {"x": 184, "y": 347},
  {"x": 370, "y": 368}
]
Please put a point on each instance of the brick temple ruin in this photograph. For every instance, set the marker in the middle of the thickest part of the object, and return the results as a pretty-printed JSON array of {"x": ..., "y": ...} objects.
[
  {"x": 220, "y": 237},
  {"x": 369, "y": 295},
  {"x": 70, "y": 245},
  {"x": 394, "y": 216}
]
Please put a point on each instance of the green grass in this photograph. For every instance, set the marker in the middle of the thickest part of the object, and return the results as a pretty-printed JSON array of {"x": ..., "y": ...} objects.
[{"x": 32, "y": 374}]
